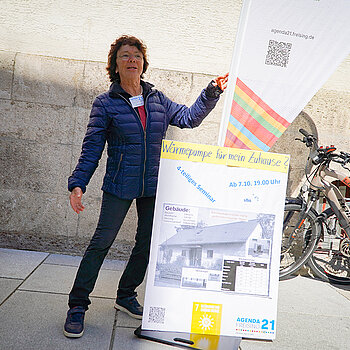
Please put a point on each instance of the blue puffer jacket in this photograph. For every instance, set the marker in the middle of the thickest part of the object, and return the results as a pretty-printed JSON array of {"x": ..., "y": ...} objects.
[{"x": 133, "y": 153}]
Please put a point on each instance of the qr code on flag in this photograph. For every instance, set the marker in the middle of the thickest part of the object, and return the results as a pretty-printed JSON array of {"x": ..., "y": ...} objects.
[
  {"x": 156, "y": 314},
  {"x": 278, "y": 53}
]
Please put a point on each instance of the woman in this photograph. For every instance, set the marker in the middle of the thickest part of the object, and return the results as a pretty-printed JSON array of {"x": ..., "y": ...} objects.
[{"x": 133, "y": 118}]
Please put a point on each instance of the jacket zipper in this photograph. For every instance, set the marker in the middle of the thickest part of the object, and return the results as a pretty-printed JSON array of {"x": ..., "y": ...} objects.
[
  {"x": 144, "y": 163},
  {"x": 144, "y": 132},
  {"x": 116, "y": 174}
]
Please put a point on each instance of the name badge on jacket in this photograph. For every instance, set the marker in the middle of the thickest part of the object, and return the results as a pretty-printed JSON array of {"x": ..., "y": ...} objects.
[{"x": 136, "y": 101}]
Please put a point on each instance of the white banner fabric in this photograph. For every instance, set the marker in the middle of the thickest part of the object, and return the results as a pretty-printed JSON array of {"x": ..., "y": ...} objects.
[{"x": 285, "y": 51}]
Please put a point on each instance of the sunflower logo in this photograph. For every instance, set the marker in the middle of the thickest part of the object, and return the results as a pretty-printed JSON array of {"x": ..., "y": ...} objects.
[
  {"x": 206, "y": 318},
  {"x": 206, "y": 322}
]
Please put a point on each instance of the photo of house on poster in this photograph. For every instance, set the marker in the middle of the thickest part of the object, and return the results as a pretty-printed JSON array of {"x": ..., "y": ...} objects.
[
  {"x": 284, "y": 52},
  {"x": 233, "y": 256},
  {"x": 216, "y": 238}
]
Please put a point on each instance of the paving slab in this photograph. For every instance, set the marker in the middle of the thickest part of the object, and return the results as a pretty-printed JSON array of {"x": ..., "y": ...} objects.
[
  {"x": 125, "y": 339},
  {"x": 7, "y": 287},
  {"x": 124, "y": 320},
  {"x": 312, "y": 314},
  {"x": 306, "y": 295},
  {"x": 69, "y": 260},
  {"x": 301, "y": 332},
  {"x": 19, "y": 263},
  {"x": 62, "y": 259},
  {"x": 115, "y": 265},
  {"x": 34, "y": 321},
  {"x": 59, "y": 279},
  {"x": 343, "y": 290}
]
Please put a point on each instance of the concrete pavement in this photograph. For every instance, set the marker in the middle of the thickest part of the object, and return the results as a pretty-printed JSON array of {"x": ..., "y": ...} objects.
[{"x": 34, "y": 287}]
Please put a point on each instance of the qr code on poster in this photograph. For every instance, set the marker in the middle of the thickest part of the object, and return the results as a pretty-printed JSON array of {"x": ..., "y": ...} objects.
[
  {"x": 156, "y": 314},
  {"x": 278, "y": 53}
]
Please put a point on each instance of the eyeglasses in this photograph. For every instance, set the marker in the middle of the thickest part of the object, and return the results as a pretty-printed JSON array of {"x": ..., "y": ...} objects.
[{"x": 127, "y": 57}]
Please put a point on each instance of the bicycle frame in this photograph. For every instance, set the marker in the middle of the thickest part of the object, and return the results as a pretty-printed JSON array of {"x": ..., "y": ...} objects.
[
  {"x": 319, "y": 238},
  {"x": 331, "y": 192}
]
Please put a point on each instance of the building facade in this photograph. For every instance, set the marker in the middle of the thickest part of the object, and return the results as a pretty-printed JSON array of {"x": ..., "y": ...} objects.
[{"x": 52, "y": 65}]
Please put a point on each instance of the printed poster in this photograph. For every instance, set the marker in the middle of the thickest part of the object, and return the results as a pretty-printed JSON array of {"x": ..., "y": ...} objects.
[
  {"x": 215, "y": 251},
  {"x": 284, "y": 52}
]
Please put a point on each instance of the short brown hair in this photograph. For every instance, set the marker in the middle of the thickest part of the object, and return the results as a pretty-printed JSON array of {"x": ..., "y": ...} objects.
[{"x": 112, "y": 56}]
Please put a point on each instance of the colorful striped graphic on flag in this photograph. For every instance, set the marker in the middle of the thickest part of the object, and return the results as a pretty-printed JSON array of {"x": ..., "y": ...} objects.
[{"x": 252, "y": 123}]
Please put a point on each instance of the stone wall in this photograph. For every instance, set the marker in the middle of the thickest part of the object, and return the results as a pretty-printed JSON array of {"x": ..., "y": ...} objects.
[{"x": 44, "y": 109}]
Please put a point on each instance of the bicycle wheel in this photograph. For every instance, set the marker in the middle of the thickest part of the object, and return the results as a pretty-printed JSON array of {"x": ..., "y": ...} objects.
[
  {"x": 298, "y": 239},
  {"x": 331, "y": 259}
]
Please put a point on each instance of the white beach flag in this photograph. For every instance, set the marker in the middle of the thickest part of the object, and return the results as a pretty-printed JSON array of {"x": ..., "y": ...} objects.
[{"x": 285, "y": 51}]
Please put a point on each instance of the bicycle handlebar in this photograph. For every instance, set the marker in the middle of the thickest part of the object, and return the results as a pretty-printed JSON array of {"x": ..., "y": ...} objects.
[
  {"x": 309, "y": 139},
  {"x": 344, "y": 158},
  {"x": 319, "y": 155},
  {"x": 304, "y": 132}
]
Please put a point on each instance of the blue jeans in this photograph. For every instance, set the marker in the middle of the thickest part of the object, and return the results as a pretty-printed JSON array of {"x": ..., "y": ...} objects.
[{"x": 113, "y": 212}]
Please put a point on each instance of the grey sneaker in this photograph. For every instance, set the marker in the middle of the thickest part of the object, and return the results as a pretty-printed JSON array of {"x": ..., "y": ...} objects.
[
  {"x": 74, "y": 325},
  {"x": 129, "y": 305}
]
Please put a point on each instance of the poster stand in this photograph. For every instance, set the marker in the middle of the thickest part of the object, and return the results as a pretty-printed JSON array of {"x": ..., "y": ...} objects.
[
  {"x": 190, "y": 340},
  {"x": 213, "y": 270}
]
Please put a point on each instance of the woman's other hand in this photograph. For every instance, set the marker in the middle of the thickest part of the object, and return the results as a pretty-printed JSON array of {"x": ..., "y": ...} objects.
[
  {"x": 216, "y": 87},
  {"x": 221, "y": 81},
  {"x": 75, "y": 200}
]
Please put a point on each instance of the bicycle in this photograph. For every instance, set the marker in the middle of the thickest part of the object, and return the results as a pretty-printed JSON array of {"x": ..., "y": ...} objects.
[{"x": 318, "y": 239}]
